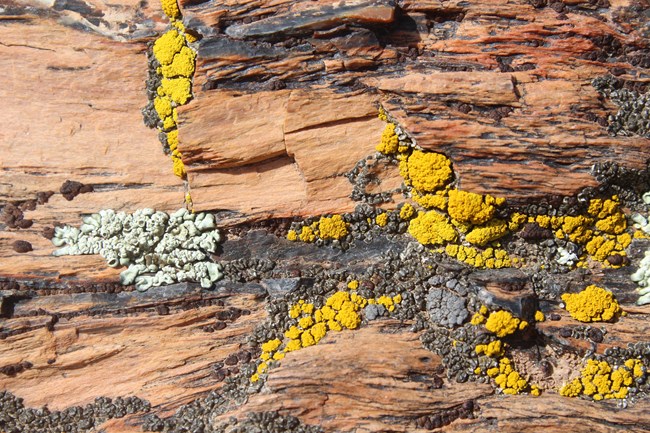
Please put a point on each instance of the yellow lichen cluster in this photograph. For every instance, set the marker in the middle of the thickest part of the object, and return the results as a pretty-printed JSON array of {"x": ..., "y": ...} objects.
[
  {"x": 599, "y": 380},
  {"x": 170, "y": 8},
  {"x": 494, "y": 349},
  {"x": 426, "y": 172},
  {"x": 432, "y": 228},
  {"x": 407, "y": 212},
  {"x": 480, "y": 316},
  {"x": 601, "y": 231},
  {"x": 502, "y": 323},
  {"x": 340, "y": 311},
  {"x": 509, "y": 380},
  {"x": 177, "y": 60},
  {"x": 389, "y": 142},
  {"x": 471, "y": 208},
  {"x": 463, "y": 216},
  {"x": 325, "y": 228},
  {"x": 492, "y": 258},
  {"x": 332, "y": 227},
  {"x": 593, "y": 304}
]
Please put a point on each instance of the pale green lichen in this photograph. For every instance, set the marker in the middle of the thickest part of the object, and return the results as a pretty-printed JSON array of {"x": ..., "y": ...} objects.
[{"x": 158, "y": 248}]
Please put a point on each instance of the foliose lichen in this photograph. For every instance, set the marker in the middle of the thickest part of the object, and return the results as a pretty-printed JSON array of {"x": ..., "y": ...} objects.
[
  {"x": 308, "y": 323},
  {"x": 642, "y": 275},
  {"x": 171, "y": 68},
  {"x": 446, "y": 308},
  {"x": 593, "y": 304},
  {"x": 599, "y": 380},
  {"x": 157, "y": 248}
]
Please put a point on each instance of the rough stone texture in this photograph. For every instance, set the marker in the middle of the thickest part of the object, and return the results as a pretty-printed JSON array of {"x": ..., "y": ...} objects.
[
  {"x": 162, "y": 358},
  {"x": 285, "y": 103},
  {"x": 491, "y": 97}
]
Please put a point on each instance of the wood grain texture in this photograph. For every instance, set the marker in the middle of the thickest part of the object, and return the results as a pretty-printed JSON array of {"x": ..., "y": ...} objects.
[{"x": 285, "y": 104}]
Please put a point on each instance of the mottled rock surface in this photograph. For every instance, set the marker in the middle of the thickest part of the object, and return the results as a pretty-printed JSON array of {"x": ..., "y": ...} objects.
[{"x": 285, "y": 102}]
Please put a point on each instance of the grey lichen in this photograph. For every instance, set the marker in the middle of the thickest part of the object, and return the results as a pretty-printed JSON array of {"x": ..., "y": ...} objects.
[
  {"x": 446, "y": 308},
  {"x": 157, "y": 248},
  {"x": 633, "y": 116}
]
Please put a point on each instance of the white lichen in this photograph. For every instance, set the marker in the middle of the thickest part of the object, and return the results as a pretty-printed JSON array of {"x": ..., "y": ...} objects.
[
  {"x": 642, "y": 275},
  {"x": 157, "y": 248},
  {"x": 564, "y": 257}
]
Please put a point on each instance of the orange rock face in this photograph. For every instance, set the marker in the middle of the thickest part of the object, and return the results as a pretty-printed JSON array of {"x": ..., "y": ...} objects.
[{"x": 285, "y": 105}]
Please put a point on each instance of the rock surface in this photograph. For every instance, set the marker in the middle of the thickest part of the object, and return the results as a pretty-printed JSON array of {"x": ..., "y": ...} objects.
[{"x": 286, "y": 96}]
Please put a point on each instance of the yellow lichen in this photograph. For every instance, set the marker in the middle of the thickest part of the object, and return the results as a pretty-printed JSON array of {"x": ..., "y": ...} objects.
[
  {"x": 306, "y": 339},
  {"x": 509, "y": 380},
  {"x": 169, "y": 122},
  {"x": 516, "y": 220},
  {"x": 182, "y": 64},
  {"x": 599, "y": 380},
  {"x": 307, "y": 234},
  {"x": 539, "y": 316},
  {"x": 306, "y": 322},
  {"x": 437, "y": 200},
  {"x": 407, "y": 211},
  {"x": 170, "y": 8},
  {"x": 294, "y": 311},
  {"x": 172, "y": 139},
  {"x": 179, "y": 90},
  {"x": 488, "y": 232},
  {"x": 293, "y": 345},
  {"x": 178, "y": 166},
  {"x": 292, "y": 235},
  {"x": 382, "y": 114},
  {"x": 348, "y": 317},
  {"x": 388, "y": 302},
  {"x": 336, "y": 301},
  {"x": 593, "y": 304},
  {"x": 601, "y": 231},
  {"x": 353, "y": 285},
  {"x": 477, "y": 319},
  {"x": 427, "y": 171},
  {"x": 306, "y": 307},
  {"x": 318, "y": 331},
  {"x": 332, "y": 227},
  {"x": 382, "y": 219},
  {"x": 389, "y": 142},
  {"x": 163, "y": 107},
  {"x": 613, "y": 224},
  {"x": 502, "y": 323},
  {"x": 488, "y": 258},
  {"x": 523, "y": 325},
  {"x": 176, "y": 68},
  {"x": 577, "y": 228},
  {"x": 271, "y": 345},
  {"x": 432, "y": 228},
  {"x": 293, "y": 333},
  {"x": 494, "y": 349},
  {"x": 600, "y": 247},
  {"x": 167, "y": 46},
  {"x": 469, "y": 207}
]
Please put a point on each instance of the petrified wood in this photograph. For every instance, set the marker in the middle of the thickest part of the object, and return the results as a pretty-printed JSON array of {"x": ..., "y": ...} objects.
[{"x": 284, "y": 109}]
